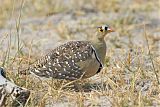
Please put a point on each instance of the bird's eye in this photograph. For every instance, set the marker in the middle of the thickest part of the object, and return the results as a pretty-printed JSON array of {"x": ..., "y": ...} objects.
[{"x": 100, "y": 29}]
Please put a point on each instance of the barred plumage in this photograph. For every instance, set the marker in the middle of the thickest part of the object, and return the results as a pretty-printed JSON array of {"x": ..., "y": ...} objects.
[{"x": 73, "y": 60}]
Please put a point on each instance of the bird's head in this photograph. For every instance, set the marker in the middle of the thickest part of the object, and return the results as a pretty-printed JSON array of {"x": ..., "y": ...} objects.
[{"x": 103, "y": 30}]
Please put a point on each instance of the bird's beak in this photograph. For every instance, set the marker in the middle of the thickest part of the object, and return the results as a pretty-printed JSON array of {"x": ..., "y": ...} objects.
[{"x": 110, "y": 30}]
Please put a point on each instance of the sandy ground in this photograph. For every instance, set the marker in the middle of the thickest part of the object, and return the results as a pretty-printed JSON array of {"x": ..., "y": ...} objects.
[{"x": 38, "y": 35}]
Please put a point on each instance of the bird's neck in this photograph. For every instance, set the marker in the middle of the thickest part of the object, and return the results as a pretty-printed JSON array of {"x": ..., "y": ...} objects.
[{"x": 100, "y": 47}]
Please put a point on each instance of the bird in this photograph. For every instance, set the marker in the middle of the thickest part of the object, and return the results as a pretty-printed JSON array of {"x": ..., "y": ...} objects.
[
  {"x": 10, "y": 89},
  {"x": 74, "y": 59}
]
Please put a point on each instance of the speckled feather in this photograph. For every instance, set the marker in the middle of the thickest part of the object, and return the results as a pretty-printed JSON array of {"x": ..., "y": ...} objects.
[{"x": 62, "y": 62}]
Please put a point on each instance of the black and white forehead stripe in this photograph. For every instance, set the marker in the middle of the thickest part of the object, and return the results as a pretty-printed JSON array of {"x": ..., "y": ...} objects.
[{"x": 105, "y": 27}]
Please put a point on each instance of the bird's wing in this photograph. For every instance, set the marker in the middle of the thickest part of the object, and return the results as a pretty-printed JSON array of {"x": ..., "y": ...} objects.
[{"x": 62, "y": 62}]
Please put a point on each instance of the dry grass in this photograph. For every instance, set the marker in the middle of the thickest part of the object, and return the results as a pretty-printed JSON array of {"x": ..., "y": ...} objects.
[{"x": 131, "y": 73}]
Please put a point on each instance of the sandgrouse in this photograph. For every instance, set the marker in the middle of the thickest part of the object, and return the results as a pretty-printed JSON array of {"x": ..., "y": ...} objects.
[{"x": 75, "y": 59}]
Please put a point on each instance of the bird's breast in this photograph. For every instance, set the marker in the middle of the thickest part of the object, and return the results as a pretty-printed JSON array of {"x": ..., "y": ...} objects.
[{"x": 91, "y": 68}]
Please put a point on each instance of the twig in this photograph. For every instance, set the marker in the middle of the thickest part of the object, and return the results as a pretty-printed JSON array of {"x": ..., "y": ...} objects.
[
  {"x": 150, "y": 56},
  {"x": 18, "y": 22}
]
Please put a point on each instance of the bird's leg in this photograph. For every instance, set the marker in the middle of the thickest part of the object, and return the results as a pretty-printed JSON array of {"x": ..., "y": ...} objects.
[{"x": 78, "y": 86}]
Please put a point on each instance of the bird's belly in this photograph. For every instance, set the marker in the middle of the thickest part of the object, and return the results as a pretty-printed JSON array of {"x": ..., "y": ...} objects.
[{"x": 91, "y": 69}]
